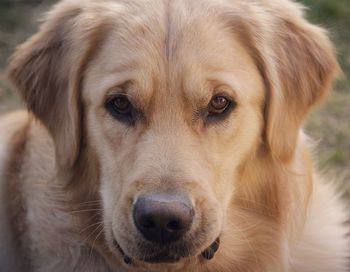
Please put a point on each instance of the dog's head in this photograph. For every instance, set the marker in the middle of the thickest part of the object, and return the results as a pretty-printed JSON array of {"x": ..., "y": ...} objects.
[{"x": 165, "y": 113}]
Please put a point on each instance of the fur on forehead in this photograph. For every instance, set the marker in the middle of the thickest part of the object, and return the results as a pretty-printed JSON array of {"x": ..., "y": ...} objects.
[{"x": 295, "y": 59}]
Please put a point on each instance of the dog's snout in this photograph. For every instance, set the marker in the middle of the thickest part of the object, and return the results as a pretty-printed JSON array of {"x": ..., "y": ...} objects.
[{"x": 163, "y": 218}]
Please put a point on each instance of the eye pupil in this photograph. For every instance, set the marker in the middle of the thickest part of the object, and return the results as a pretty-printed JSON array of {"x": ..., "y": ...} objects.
[
  {"x": 219, "y": 102},
  {"x": 218, "y": 105},
  {"x": 121, "y": 104},
  {"x": 120, "y": 108}
]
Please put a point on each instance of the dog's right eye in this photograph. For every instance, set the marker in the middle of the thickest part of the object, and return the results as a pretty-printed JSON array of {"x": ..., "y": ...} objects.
[{"x": 120, "y": 108}]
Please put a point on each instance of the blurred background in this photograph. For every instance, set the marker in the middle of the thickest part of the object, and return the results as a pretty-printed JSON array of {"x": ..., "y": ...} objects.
[{"x": 329, "y": 125}]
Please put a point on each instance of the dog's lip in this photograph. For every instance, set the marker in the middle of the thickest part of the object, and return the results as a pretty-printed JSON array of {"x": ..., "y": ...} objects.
[
  {"x": 208, "y": 254},
  {"x": 126, "y": 258}
]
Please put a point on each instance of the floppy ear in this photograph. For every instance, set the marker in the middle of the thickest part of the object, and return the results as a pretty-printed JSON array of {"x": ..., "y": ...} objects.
[
  {"x": 48, "y": 70},
  {"x": 299, "y": 66}
]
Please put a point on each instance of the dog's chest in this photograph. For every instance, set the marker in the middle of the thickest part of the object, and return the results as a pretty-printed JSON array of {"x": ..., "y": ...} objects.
[{"x": 7, "y": 249}]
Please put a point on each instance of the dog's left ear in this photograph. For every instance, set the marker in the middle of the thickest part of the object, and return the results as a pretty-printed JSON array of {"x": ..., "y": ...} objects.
[
  {"x": 298, "y": 64},
  {"x": 48, "y": 71}
]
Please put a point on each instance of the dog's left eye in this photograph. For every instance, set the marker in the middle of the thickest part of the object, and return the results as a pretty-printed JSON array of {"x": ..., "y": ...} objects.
[
  {"x": 121, "y": 108},
  {"x": 218, "y": 105}
]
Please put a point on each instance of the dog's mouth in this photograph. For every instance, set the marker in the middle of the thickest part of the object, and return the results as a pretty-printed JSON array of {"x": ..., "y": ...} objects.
[
  {"x": 126, "y": 258},
  {"x": 165, "y": 257}
]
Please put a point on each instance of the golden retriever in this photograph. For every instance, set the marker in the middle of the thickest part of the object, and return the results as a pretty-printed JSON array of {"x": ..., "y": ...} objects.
[{"x": 166, "y": 135}]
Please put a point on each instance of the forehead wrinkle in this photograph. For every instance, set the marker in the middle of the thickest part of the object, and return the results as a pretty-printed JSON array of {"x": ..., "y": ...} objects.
[
  {"x": 209, "y": 51},
  {"x": 170, "y": 46},
  {"x": 138, "y": 43},
  {"x": 167, "y": 20},
  {"x": 143, "y": 55},
  {"x": 186, "y": 53},
  {"x": 163, "y": 101},
  {"x": 177, "y": 14}
]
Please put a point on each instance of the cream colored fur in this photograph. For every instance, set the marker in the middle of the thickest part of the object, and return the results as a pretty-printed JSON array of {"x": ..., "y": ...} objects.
[{"x": 70, "y": 172}]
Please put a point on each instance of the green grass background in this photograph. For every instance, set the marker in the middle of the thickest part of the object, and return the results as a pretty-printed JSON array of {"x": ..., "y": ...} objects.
[{"x": 329, "y": 125}]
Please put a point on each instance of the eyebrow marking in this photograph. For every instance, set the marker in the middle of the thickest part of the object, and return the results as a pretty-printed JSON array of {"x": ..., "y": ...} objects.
[{"x": 168, "y": 29}]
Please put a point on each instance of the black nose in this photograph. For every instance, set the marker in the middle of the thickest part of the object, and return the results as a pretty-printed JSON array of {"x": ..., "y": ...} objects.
[{"x": 163, "y": 218}]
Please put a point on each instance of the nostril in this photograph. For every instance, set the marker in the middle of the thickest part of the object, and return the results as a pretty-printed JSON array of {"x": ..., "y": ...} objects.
[
  {"x": 148, "y": 224},
  {"x": 174, "y": 225}
]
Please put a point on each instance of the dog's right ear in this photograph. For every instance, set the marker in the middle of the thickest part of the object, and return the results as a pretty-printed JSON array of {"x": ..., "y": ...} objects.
[{"x": 48, "y": 71}]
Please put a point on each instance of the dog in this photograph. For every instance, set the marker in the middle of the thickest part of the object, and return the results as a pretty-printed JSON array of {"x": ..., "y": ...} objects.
[{"x": 166, "y": 135}]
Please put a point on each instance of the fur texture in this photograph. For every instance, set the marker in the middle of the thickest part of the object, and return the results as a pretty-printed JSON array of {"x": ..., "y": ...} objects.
[{"x": 70, "y": 172}]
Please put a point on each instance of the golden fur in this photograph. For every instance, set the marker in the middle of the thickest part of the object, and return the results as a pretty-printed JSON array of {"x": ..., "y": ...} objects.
[{"x": 71, "y": 172}]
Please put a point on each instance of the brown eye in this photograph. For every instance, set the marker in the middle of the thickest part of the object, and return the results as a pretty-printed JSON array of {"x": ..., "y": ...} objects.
[
  {"x": 121, "y": 104},
  {"x": 121, "y": 108},
  {"x": 218, "y": 105}
]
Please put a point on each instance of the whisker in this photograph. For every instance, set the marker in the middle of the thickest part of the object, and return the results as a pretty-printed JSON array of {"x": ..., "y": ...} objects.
[
  {"x": 92, "y": 247},
  {"x": 89, "y": 226},
  {"x": 86, "y": 210},
  {"x": 92, "y": 233},
  {"x": 250, "y": 226},
  {"x": 244, "y": 210},
  {"x": 92, "y": 202},
  {"x": 247, "y": 241},
  {"x": 255, "y": 203}
]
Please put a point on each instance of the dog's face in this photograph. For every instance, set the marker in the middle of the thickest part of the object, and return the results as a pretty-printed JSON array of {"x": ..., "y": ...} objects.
[
  {"x": 174, "y": 100},
  {"x": 170, "y": 122}
]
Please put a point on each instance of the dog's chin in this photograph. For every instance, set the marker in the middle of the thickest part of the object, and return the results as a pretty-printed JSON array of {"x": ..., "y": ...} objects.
[
  {"x": 168, "y": 256},
  {"x": 163, "y": 258}
]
